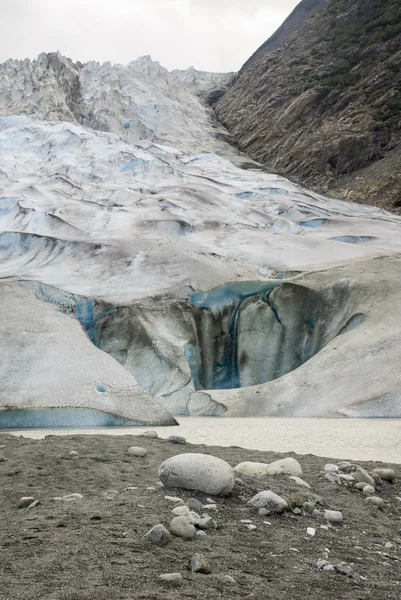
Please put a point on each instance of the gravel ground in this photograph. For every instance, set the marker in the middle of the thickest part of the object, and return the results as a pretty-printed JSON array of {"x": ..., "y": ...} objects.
[{"x": 92, "y": 549}]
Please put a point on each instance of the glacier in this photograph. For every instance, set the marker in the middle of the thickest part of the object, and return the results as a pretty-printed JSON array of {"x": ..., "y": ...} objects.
[{"x": 208, "y": 284}]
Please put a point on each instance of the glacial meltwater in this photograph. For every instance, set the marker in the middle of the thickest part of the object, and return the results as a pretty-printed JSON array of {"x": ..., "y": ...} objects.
[{"x": 355, "y": 439}]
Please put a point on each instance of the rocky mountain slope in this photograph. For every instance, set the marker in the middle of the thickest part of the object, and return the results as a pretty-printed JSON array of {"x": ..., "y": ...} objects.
[
  {"x": 188, "y": 268},
  {"x": 325, "y": 108}
]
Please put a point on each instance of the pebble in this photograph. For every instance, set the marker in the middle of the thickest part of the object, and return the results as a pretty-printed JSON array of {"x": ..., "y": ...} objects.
[
  {"x": 360, "y": 485},
  {"x": 268, "y": 499},
  {"x": 333, "y": 516},
  {"x": 200, "y": 472},
  {"x": 324, "y": 527},
  {"x": 210, "y": 507},
  {"x": 311, "y": 531},
  {"x": 330, "y": 468},
  {"x": 345, "y": 467},
  {"x": 25, "y": 501},
  {"x": 288, "y": 466},
  {"x": 171, "y": 577},
  {"x": 375, "y": 501},
  {"x": 361, "y": 475},
  {"x": 321, "y": 563},
  {"x": 328, "y": 567},
  {"x": 182, "y": 527},
  {"x": 137, "y": 451},
  {"x": 299, "y": 481},
  {"x": 34, "y": 504},
  {"x": 388, "y": 545},
  {"x": 199, "y": 564},
  {"x": 296, "y": 511},
  {"x": 368, "y": 490},
  {"x": 73, "y": 454},
  {"x": 110, "y": 494},
  {"x": 150, "y": 434},
  {"x": 297, "y": 499},
  {"x": 346, "y": 478},
  {"x": 201, "y": 533},
  {"x": 176, "y": 439},
  {"x": 181, "y": 510},
  {"x": 175, "y": 499},
  {"x": 332, "y": 477},
  {"x": 250, "y": 527},
  {"x": 194, "y": 504},
  {"x": 226, "y": 579},
  {"x": 72, "y": 497},
  {"x": 158, "y": 535},
  {"x": 308, "y": 507},
  {"x": 194, "y": 518},
  {"x": 245, "y": 521},
  {"x": 251, "y": 469},
  {"x": 385, "y": 474},
  {"x": 344, "y": 569},
  {"x": 3, "y": 459},
  {"x": 207, "y": 522},
  {"x": 264, "y": 512},
  {"x": 130, "y": 488}
]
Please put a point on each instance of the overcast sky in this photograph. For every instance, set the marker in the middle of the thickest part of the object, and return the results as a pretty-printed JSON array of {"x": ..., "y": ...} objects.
[{"x": 212, "y": 35}]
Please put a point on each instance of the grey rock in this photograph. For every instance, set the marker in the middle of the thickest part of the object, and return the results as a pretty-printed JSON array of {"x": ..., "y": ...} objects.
[
  {"x": 268, "y": 499},
  {"x": 316, "y": 512},
  {"x": 311, "y": 531},
  {"x": 344, "y": 569},
  {"x": 296, "y": 511},
  {"x": 328, "y": 567},
  {"x": 346, "y": 478},
  {"x": 3, "y": 459},
  {"x": 299, "y": 481},
  {"x": 375, "y": 501},
  {"x": 72, "y": 497},
  {"x": 251, "y": 469},
  {"x": 171, "y": 577},
  {"x": 158, "y": 535},
  {"x": 361, "y": 475},
  {"x": 150, "y": 434},
  {"x": 194, "y": 504},
  {"x": 321, "y": 563},
  {"x": 345, "y": 467},
  {"x": 25, "y": 501},
  {"x": 110, "y": 494},
  {"x": 207, "y": 523},
  {"x": 174, "y": 499},
  {"x": 388, "y": 545},
  {"x": 176, "y": 439},
  {"x": 308, "y": 507},
  {"x": 331, "y": 468},
  {"x": 182, "y": 527},
  {"x": 385, "y": 474},
  {"x": 360, "y": 485},
  {"x": 333, "y": 516},
  {"x": 194, "y": 518},
  {"x": 201, "y": 533},
  {"x": 34, "y": 504},
  {"x": 250, "y": 526},
  {"x": 287, "y": 466},
  {"x": 264, "y": 512},
  {"x": 199, "y": 564},
  {"x": 332, "y": 477},
  {"x": 73, "y": 454},
  {"x": 368, "y": 490},
  {"x": 137, "y": 451},
  {"x": 199, "y": 472},
  {"x": 181, "y": 510}
]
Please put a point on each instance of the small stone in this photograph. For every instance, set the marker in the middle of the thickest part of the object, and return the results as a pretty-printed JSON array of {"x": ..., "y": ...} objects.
[
  {"x": 210, "y": 501},
  {"x": 311, "y": 531},
  {"x": 264, "y": 512},
  {"x": 328, "y": 567},
  {"x": 345, "y": 467},
  {"x": 130, "y": 488},
  {"x": 151, "y": 488},
  {"x": 174, "y": 500},
  {"x": 34, "y": 504},
  {"x": 345, "y": 478},
  {"x": 250, "y": 526},
  {"x": 137, "y": 451},
  {"x": 296, "y": 511},
  {"x": 194, "y": 518},
  {"x": 308, "y": 507},
  {"x": 201, "y": 534},
  {"x": 199, "y": 564},
  {"x": 333, "y": 516},
  {"x": 344, "y": 569},
  {"x": 72, "y": 497},
  {"x": 150, "y": 433},
  {"x": 181, "y": 510},
  {"x": 360, "y": 485},
  {"x": 3, "y": 459},
  {"x": 73, "y": 454},
  {"x": 251, "y": 469},
  {"x": 316, "y": 513},
  {"x": 171, "y": 577},
  {"x": 321, "y": 563},
  {"x": 182, "y": 527},
  {"x": 176, "y": 439},
  {"x": 375, "y": 501},
  {"x": 110, "y": 494},
  {"x": 330, "y": 468},
  {"x": 287, "y": 466},
  {"x": 207, "y": 523},
  {"x": 324, "y": 527},
  {"x": 385, "y": 474},
  {"x": 245, "y": 521},
  {"x": 25, "y": 501},
  {"x": 210, "y": 507},
  {"x": 298, "y": 499},
  {"x": 388, "y": 545},
  {"x": 332, "y": 477},
  {"x": 226, "y": 579},
  {"x": 194, "y": 504},
  {"x": 300, "y": 482},
  {"x": 158, "y": 535},
  {"x": 368, "y": 490},
  {"x": 267, "y": 499},
  {"x": 360, "y": 475}
]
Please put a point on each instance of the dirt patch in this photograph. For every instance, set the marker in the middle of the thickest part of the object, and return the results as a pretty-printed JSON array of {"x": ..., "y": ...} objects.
[{"x": 92, "y": 549}]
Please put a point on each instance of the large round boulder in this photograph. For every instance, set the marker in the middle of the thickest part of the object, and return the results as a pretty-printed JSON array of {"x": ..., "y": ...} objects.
[{"x": 199, "y": 472}]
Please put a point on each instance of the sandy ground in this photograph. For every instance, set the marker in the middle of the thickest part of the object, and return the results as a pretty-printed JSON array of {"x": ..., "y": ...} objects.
[{"x": 92, "y": 549}]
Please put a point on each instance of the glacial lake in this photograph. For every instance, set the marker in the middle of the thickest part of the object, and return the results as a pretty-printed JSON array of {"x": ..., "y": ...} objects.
[{"x": 355, "y": 439}]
